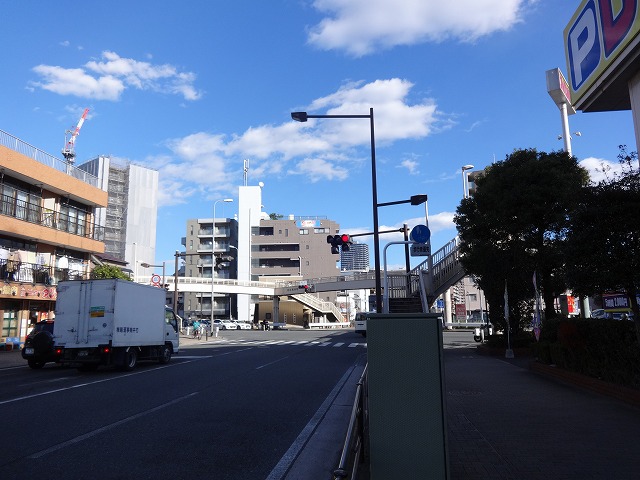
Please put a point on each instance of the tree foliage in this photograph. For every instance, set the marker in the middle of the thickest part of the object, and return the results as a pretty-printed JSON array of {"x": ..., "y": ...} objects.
[
  {"x": 516, "y": 224},
  {"x": 604, "y": 238},
  {"x": 109, "y": 271}
]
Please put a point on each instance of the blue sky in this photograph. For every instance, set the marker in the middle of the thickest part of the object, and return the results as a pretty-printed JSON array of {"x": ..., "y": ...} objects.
[{"x": 194, "y": 88}]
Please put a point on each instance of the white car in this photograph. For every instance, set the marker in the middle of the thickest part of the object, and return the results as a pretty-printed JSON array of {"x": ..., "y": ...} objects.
[
  {"x": 243, "y": 325},
  {"x": 225, "y": 324}
]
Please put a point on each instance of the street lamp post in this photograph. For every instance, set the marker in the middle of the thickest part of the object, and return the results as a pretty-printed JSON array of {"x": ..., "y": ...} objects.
[
  {"x": 302, "y": 117},
  {"x": 164, "y": 268},
  {"x": 465, "y": 180},
  {"x": 213, "y": 252}
]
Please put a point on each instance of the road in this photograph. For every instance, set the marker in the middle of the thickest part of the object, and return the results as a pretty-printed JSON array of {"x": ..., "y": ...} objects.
[{"x": 227, "y": 409}]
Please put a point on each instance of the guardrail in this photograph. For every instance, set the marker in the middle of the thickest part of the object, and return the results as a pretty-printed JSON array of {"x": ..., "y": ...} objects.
[{"x": 354, "y": 449}]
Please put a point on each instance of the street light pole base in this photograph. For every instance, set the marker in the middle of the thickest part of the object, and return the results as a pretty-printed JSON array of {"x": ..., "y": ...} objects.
[{"x": 508, "y": 353}]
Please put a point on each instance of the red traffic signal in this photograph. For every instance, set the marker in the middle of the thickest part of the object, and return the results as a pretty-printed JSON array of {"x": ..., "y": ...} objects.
[
  {"x": 345, "y": 241},
  {"x": 337, "y": 241}
]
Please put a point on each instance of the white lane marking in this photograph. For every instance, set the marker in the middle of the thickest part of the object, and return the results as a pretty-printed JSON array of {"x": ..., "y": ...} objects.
[
  {"x": 93, "y": 433},
  {"x": 271, "y": 363},
  {"x": 338, "y": 344},
  {"x": 86, "y": 384}
]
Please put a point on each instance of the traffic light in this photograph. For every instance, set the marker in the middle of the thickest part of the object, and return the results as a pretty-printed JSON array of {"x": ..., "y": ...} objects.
[
  {"x": 337, "y": 241},
  {"x": 345, "y": 241},
  {"x": 307, "y": 288}
]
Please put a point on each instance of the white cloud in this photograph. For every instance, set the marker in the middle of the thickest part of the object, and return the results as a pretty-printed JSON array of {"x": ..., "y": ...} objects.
[
  {"x": 363, "y": 26},
  {"x": 76, "y": 82},
  {"x": 109, "y": 78},
  {"x": 411, "y": 166},
  {"x": 600, "y": 169},
  {"x": 316, "y": 169},
  {"x": 318, "y": 150}
]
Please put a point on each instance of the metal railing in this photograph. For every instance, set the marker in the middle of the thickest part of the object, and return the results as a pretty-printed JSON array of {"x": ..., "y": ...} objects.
[
  {"x": 355, "y": 447},
  {"x": 35, "y": 213},
  {"x": 14, "y": 143},
  {"x": 25, "y": 272},
  {"x": 319, "y": 305}
]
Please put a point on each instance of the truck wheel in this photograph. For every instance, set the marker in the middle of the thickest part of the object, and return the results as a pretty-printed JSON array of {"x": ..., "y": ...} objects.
[
  {"x": 35, "y": 364},
  {"x": 130, "y": 360},
  {"x": 165, "y": 354}
]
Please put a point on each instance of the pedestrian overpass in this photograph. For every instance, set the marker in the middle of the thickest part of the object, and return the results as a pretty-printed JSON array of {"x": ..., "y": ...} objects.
[{"x": 426, "y": 282}]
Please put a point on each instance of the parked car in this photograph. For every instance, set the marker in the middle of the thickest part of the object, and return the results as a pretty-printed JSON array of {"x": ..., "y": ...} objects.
[
  {"x": 225, "y": 324},
  {"x": 622, "y": 316},
  {"x": 229, "y": 325},
  {"x": 243, "y": 325},
  {"x": 38, "y": 346}
]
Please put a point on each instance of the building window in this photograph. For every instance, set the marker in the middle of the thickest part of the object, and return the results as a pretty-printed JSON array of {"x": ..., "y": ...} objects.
[
  {"x": 10, "y": 323},
  {"x": 304, "y": 231}
]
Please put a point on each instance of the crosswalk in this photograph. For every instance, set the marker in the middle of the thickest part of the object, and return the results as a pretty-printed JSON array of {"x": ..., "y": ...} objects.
[{"x": 305, "y": 343}]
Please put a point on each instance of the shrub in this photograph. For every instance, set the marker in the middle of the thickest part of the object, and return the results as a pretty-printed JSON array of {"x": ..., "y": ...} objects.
[{"x": 604, "y": 349}]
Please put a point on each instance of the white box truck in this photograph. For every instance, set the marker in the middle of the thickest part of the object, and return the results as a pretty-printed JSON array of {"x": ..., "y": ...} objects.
[{"x": 113, "y": 322}]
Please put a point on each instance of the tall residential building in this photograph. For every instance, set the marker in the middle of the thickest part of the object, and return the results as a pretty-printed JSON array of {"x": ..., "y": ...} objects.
[
  {"x": 356, "y": 259},
  {"x": 130, "y": 218},
  {"x": 49, "y": 232},
  {"x": 203, "y": 245}
]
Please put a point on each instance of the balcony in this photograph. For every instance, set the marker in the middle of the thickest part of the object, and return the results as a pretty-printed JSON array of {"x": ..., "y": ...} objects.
[
  {"x": 24, "y": 272},
  {"x": 34, "y": 213}
]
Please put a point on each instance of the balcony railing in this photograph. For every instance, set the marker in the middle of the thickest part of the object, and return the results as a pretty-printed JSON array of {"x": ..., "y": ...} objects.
[
  {"x": 34, "y": 273},
  {"x": 14, "y": 143},
  {"x": 34, "y": 213}
]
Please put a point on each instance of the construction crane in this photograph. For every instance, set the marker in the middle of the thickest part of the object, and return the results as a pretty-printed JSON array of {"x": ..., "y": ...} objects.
[{"x": 69, "y": 151}]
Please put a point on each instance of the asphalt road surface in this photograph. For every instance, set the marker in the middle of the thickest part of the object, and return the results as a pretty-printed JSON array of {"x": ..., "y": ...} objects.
[{"x": 228, "y": 409}]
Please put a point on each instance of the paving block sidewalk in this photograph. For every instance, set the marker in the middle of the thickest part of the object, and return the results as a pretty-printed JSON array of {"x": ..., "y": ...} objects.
[{"x": 507, "y": 422}]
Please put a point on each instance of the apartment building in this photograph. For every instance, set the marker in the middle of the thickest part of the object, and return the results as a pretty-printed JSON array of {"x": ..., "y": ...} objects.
[
  {"x": 295, "y": 246},
  {"x": 48, "y": 232},
  {"x": 293, "y": 249},
  {"x": 356, "y": 259},
  {"x": 211, "y": 248}
]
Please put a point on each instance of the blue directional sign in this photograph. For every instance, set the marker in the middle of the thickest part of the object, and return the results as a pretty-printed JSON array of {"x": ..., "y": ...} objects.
[{"x": 420, "y": 234}]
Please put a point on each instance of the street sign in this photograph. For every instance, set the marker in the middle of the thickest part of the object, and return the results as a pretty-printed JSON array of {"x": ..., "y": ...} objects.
[
  {"x": 420, "y": 234},
  {"x": 420, "y": 250}
]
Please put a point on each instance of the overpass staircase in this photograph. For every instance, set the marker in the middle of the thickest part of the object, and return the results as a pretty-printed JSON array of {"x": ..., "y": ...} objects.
[
  {"x": 418, "y": 290},
  {"x": 329, "y": 309}
]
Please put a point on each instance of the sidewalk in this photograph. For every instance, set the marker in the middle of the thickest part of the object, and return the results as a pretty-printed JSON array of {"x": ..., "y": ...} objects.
[{"x": 507, "y": 422}]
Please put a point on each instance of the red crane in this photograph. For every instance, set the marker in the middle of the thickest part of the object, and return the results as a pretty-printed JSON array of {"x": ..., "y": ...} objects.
[{"x": 69, "y": 151}]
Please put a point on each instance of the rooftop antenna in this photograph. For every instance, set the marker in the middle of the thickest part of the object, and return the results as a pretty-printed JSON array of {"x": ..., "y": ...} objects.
[
  {"x": 246, "y": 171},
  {"x": 69, "y": 151}
]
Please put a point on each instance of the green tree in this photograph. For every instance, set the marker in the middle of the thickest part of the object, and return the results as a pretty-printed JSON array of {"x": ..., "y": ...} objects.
[
  {"x": 603, "y": 243},
  {"x": 516, "y": 223},
  {"x": 275, "y": 216},
  {"x": 109, "y": 271}
]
